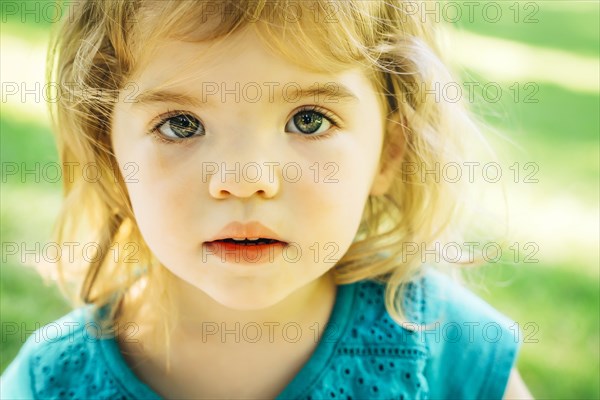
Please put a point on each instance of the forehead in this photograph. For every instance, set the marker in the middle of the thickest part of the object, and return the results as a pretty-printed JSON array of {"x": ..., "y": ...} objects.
[
  {"x": 238, "y": 63},
  {"x": 304, "y": 38}
]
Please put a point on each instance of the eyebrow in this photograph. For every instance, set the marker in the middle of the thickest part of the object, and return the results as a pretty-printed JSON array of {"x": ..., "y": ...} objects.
[{"x": 329, "y": 92}]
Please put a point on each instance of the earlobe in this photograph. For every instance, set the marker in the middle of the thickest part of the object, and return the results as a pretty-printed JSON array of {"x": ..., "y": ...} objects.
[{"x": 391, "y": 157}]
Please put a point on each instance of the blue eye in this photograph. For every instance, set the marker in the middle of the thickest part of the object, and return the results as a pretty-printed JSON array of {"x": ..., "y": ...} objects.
[
  {"x": 180, "y": 126},
  {"x": 311, "y": 122}
]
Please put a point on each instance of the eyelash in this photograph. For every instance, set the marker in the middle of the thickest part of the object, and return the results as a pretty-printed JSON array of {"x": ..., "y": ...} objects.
[
  {"x": 161, "y": 120},
  {"x": 336, "y": 125}
]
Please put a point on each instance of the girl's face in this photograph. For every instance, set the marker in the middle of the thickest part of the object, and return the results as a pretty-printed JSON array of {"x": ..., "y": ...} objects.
[{"x": 238, "y": 133}]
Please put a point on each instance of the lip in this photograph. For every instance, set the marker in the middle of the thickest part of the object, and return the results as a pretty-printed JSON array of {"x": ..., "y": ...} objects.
[
  {"x": 231, "y": 253},
  {"x": 250, "y": 229}
]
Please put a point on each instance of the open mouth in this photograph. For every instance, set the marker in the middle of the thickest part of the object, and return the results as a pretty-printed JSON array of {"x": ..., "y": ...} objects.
[
  {"x": 248, "y": 242},
  {"x": 247, "y": 251}
]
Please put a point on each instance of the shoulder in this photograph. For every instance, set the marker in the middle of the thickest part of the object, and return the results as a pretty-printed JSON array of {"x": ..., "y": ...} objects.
[
  {"x": 58, "y": 360},
  {"x": 472, "y": 346},
  {"x": 374, "y": 356}
]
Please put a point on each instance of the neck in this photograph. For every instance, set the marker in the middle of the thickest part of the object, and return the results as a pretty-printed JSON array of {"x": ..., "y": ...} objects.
[
  {"x": 198, "y": 313},
  {"x": 175, "y": 369},
  {"x": 307, "y": 305}
]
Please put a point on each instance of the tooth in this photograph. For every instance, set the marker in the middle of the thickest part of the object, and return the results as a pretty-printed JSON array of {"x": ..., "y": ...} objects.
[
  {"x": 253, "y": 238},
  {"x": 238, "y": 239}
]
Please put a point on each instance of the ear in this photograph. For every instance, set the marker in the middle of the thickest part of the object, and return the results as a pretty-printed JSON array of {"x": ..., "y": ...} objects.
[{"x": 391, "y": 156}]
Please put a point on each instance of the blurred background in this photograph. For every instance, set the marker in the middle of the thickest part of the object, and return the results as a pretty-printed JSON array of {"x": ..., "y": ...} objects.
[{"x": 534, "y": 68}]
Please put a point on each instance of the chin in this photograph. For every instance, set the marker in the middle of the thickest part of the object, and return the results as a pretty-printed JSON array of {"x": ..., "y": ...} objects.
[{"x": 247, "y": 300}]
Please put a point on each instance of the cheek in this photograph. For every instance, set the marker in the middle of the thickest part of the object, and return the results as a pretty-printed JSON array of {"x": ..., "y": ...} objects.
[
  {"x": 334, "y": 202},
  {"x": 163, "y": 200},
  {"x": 161, "y": 195}
]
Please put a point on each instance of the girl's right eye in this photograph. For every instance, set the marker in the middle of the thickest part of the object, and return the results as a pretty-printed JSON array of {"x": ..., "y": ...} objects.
[{"x": 179, "y": 126}]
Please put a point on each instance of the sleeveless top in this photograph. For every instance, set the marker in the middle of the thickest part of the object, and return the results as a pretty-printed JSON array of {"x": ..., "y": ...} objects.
[{"x": 466, "y": 352}]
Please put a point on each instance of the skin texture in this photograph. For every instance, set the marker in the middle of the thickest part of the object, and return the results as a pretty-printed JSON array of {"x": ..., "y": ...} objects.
[{"x": 178, "y": 207}]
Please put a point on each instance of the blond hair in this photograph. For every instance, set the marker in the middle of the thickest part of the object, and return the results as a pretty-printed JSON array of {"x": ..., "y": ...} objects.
[{"x": 100, "y": 45}]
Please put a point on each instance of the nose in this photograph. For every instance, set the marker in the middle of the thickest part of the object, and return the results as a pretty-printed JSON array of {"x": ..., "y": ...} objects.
[{"x": 244, "y": 179}]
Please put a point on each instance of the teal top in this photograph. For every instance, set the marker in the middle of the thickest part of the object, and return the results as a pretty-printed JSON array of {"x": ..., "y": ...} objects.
[{"x": 466, "y": 352}]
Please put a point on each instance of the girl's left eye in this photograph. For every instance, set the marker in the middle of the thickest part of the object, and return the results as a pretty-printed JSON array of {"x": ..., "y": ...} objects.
[
  {"x": 312, "y": 122},
  {"x": 179, "y": 126}
]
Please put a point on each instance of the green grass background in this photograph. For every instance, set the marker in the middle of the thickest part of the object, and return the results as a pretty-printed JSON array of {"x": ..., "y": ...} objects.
[{"x": 560, "y": 133}]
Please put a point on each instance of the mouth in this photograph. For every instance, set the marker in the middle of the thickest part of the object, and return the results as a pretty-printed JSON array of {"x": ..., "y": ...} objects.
[
  {"x": 247, "y": 241},
  {"x": 246, "y": 250},
  {"x": 252, "y": 233}
]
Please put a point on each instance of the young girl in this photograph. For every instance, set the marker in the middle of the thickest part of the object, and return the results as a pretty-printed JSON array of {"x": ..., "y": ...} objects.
[{"x": 259, "y": 209}]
